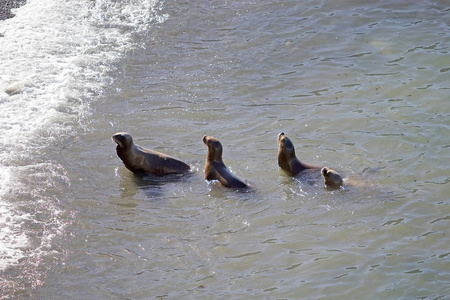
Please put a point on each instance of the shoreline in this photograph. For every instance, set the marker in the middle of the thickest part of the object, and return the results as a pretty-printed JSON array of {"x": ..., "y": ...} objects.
[{"x": 7, "y": 5}]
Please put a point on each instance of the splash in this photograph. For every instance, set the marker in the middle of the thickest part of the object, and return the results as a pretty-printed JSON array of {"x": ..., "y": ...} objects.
[{"x": 57, "y": 58}]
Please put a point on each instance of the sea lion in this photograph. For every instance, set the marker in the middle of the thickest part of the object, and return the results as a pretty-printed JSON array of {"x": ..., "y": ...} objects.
[
  {"x": 287, "y": 159},
  {"x": 215, "y": 169},
  {"x": 334, "y": 180},
  {"x": 331, "y": 178},
  {"x": 290, "y": 163},
  {"x": 140, "y": 160}
]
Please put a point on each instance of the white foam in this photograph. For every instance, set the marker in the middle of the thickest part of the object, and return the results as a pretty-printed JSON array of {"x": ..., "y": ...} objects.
[
  {"x": 55, "y": 59},
  {"x": 12, "y": 240}
]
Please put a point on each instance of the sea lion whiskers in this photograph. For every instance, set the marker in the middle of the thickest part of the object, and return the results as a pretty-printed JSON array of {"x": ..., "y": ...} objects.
[{"x": 117, "y": 140}]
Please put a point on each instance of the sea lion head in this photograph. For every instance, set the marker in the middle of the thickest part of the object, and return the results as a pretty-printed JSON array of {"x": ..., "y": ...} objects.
[
  {"x": 331, "y": 177},
  {"x": 285, "y": 145},
  {"x": 123, "y": 140},
  {"x": 214, "y": 148},
  {"x": 286, "y": 152}
]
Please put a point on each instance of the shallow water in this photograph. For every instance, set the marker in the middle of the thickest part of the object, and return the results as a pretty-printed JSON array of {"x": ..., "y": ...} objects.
[{"x": 360, "y": 87}]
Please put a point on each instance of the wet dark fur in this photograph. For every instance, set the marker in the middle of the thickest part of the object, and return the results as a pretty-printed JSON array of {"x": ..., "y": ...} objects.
[
  {"x": 332, "y": 179},
  {"x": 140, "y": 160},
  {"x": 287, "y": 159},
  {"x": 215, "y": 169}
]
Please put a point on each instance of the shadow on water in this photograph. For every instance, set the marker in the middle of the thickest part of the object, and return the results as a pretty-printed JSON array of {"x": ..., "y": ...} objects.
[
  {"x": 217, "y": 191},
  {"x": 151, "y": 186}
]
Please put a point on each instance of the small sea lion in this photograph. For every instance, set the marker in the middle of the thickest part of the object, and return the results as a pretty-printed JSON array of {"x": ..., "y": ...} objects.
[
  {"x": 334, "y": 180},
  {"x": 140, "y": 160},
  {"x": 287, "y": 159},
  {"x": 331, "y": 178},
  {"x": 215, "y": 169}
]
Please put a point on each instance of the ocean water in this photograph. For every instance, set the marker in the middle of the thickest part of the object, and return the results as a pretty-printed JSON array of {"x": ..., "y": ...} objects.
[{"x": 358, "y": 86}]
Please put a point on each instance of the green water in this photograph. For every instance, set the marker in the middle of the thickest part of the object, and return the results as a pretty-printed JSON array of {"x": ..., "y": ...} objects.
[{"x": 360, "y": 87}]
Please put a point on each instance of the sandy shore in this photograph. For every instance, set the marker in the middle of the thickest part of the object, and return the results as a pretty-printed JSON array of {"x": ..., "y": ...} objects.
[{"x": 7, "y": 5}]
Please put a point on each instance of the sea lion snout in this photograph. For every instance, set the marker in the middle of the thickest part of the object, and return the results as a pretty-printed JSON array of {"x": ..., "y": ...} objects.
[
  {"x": 212, "y": 142},
  {"x": 285, "y": 143},
  {"x": 122, "y": 139}
]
